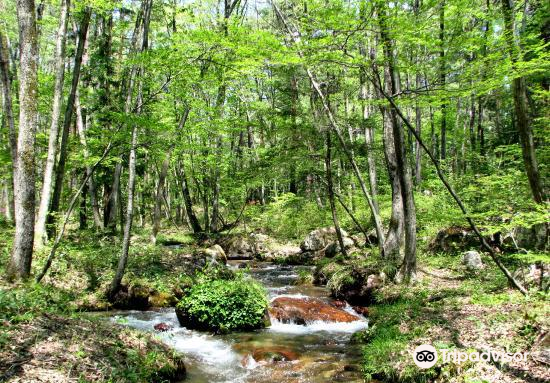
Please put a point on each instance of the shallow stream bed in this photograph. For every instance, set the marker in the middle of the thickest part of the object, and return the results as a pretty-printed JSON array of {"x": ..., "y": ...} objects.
[{"x": 321, "y": 350}]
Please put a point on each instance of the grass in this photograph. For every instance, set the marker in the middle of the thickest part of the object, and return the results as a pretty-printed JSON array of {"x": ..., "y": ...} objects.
[{"x": 450, "y": 308}]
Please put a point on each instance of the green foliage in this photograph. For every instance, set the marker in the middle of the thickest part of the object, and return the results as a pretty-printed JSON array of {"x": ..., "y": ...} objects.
[
  {"x": 225, "y": 305},
  {"x": 290, "y": 216},
  {"x": 23, "y": 303}
]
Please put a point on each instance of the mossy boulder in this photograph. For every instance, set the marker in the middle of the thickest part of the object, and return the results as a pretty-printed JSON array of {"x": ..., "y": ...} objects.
[{"x": 223, "y": 306}]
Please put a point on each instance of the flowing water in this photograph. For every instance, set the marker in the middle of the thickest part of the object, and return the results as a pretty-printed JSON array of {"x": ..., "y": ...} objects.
[{"x": 322, "y": 349}]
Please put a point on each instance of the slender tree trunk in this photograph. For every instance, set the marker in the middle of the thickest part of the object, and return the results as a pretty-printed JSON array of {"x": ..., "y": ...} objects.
[
  {"x": 91, "y": 188},
  {"x": 418, "y": 152},
  {"x": 82, "y": 216},
  {"x": 63, "y": 153},
  {"x": 24, "y": 189},
  {"x": 480, "y": 130},
  {"x": 193, "y": 221},
  {"x": 7, "y": 201},
  {"x": 521, "y": 107},
  {"x": 59, "y": 59},
  {"x": 112, "y": 202},
  {"x": 442, "y": 80},
  {"x": 328, "y": 166},
  {"x": 159, "y": 198},
  {"x": 471, "y": 123},
  {"x": 369, "y": 141},
  {"x": 7, "y": 105},
  {"x": 123, "y": 260}
]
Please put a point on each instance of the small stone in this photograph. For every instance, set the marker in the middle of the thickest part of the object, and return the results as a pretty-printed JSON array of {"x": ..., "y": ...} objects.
[
  {"x": 472, "y": 260},
  {"x": 162, "y": 327}
]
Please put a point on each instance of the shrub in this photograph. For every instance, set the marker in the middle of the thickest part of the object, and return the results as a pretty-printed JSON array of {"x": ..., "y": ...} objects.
[{"x": 224, "y": 305}]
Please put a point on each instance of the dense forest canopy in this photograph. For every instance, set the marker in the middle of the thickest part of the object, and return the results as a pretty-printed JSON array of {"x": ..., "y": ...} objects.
[{"x": 393, "y": 120}]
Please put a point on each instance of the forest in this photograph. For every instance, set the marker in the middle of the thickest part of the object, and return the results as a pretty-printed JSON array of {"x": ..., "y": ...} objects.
[{"x": 294, "y": 191}]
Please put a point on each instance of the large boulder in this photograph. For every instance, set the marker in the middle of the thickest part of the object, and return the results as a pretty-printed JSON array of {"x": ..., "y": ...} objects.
[
  {"x": 240, "y": 247},
  {"x": 306, "y": 310},
  {"x": 472, "y": 260},
  {"x": 356, "y": 285},
  {"x": 132, "y": 297},
  {"x": 535, "y": 275},
  {"x": 454, "y": 238},
  {"x": 257, "y": 246},
  {"x": 334, "y": 248},
  {"x": 214, "y": 254},
  {"x": 535, "y": 237},
  {"x": 320, "y": 238}
]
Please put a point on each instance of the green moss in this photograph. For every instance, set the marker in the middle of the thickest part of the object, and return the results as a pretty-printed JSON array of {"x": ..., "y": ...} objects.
[{"x": 224, "y": 305}]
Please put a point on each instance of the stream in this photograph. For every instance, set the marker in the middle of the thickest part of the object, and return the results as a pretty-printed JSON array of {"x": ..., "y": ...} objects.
[{"x": 321, "y": 350}]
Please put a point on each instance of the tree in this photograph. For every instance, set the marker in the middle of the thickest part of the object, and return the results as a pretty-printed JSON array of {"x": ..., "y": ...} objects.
[
  {"x": 40, "y": 229},
  {"x": 521, "y": 106},
  {"x": 24, "y": 189}
]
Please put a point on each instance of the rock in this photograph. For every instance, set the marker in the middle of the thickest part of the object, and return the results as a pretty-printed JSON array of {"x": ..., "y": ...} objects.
[
  {"x": 334, "y": 248},
  {"x": 339, "y": 304},
  {"x": 215, "y": 254},
  {"x": 160, "y": 299},
  {"x": 361, "y": 310},
  {"x": 274, "y": 354},
  {"x": 240, "y": 248},
  {"x": 530, "y": 276},
  {"x": 133, "y": 297},
  {"x": 359, "y": 286},
  {"x": 281, "y": 251},
  {"x": 162, "y": 327},
  {"x": 375, "y": 281},
  {"x": 320, "y": 238},
  {"x": 472, "y": 260},
  {"x": 454, "y": 238},
  {"x": 535, "y": 237},
  {"x": 305, "y": 310}
]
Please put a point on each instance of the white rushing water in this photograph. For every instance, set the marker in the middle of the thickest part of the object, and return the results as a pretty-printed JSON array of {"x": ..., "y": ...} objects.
[{"x": 228, "y": 358}]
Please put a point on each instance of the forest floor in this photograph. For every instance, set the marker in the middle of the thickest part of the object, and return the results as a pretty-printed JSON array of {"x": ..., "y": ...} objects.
[
  {"x": 79, "y": 348},
  {"x": 454, "y": 310},
  {"x": 46, "y": 336}
]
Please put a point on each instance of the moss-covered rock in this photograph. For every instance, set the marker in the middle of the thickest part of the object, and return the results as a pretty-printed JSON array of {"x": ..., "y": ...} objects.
[{"x": 224, "y": 306}]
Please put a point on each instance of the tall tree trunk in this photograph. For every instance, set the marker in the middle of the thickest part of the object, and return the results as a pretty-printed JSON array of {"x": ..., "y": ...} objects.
[
  {"x": 91, "y": 188},
  {"x": 63, "y": 153},
  {"x": 59, "y": 63},
  {"x": 442, "y": 80},
  {"x": 394, "y": 237},
  {"x": 6, "y": 200},
  {"x": 418, "y": 152},
  {"x": 521, "y": 107},
  {"x": 24, "y": 189},
  {"x": 7, "y": 105},
  {"x": 159, "y": 198},
  {"x": 193, "y": 221},
  {"x": 407, "y": 271},
  {"x": 471, "y": 124},
  {"x": 134, "y": 73},
  {"x": 82, "y": 216},
  {"x": 112, "y": 202},
  {"x": 330, "y": 189},
  {"x": 369, "y": 141}
]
